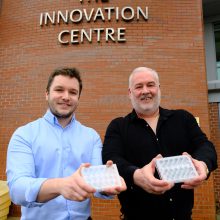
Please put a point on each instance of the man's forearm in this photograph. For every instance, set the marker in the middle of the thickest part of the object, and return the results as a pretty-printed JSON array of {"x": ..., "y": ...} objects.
[{"x": 49, "y": 190}]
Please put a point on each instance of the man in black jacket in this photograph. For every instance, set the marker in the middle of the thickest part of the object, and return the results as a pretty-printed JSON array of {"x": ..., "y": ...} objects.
[{"x": 135, "y": 141}]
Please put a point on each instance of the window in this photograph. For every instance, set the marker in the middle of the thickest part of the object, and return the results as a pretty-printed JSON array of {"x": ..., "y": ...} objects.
[{"x": 217, "y": 47}]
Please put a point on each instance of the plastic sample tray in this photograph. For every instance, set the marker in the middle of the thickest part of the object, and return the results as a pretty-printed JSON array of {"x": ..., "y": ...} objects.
[
  {"x": 176, "y": 169},
  {"x": 101, "y": 177}
]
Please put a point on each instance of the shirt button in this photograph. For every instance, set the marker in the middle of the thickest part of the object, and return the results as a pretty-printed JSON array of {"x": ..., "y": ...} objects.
[{"x": 171, "y": 199}]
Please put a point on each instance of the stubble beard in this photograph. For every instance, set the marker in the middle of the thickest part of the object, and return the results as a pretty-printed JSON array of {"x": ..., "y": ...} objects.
[{"x": 61, "y": 115}]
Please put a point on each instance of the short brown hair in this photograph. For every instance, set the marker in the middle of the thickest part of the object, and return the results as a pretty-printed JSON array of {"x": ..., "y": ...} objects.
[{"x": 71, "y": 72}]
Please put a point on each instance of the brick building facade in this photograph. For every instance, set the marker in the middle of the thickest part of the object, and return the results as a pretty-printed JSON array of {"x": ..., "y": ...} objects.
[
  {"x": 215, "y": 137},
  {"x": 169, "y": 40}
]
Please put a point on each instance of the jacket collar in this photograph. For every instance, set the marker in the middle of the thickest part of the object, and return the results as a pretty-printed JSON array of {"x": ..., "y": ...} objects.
[{"x": 164, "y": 114}]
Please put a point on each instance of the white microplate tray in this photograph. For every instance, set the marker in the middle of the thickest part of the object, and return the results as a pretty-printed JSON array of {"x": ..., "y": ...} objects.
[
  {"x": 101, "y": 177},
  {"x": 176, "y": 169}
]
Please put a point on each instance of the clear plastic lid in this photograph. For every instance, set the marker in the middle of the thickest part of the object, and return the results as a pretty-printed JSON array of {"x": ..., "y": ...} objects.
[
  {"x": 101, "y": 177},
  {"x": 176, "y": 169}
]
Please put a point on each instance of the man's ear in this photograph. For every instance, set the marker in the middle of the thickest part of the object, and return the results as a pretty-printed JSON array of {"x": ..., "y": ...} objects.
[{"x": 129, "y": 92}]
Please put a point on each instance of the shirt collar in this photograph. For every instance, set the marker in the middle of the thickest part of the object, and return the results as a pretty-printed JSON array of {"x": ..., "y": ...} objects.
[
  {"x": 164, "y": 114},
  {"x": 52, "y": 119}
]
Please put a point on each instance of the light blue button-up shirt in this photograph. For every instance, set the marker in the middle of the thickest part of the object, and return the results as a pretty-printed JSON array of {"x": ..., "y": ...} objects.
[{"x": 43, "y": 149}]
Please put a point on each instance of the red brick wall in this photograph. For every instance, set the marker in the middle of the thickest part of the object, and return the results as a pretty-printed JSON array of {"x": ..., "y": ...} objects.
[
  {"x": 215, "y": 137},
  {"x": 171, "y": 41}
]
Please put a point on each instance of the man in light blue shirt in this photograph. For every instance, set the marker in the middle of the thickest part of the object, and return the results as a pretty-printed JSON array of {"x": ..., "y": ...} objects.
[{"x": 45, "y": 157}]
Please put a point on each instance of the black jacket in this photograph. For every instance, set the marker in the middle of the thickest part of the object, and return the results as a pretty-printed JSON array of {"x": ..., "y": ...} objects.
[{"x": 131, "y": 144}]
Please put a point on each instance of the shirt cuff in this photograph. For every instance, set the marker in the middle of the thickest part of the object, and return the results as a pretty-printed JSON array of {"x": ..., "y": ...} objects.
[
  {"x": 102, "y": 196},
  {"x": 33, "y": 190},
  {"x": 130, "y": 174}
]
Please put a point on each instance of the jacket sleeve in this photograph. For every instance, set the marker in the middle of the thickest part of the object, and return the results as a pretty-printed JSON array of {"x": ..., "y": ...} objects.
[
  {"x": 113, "y": 149},
  {"x": 203, "y": 149}
]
